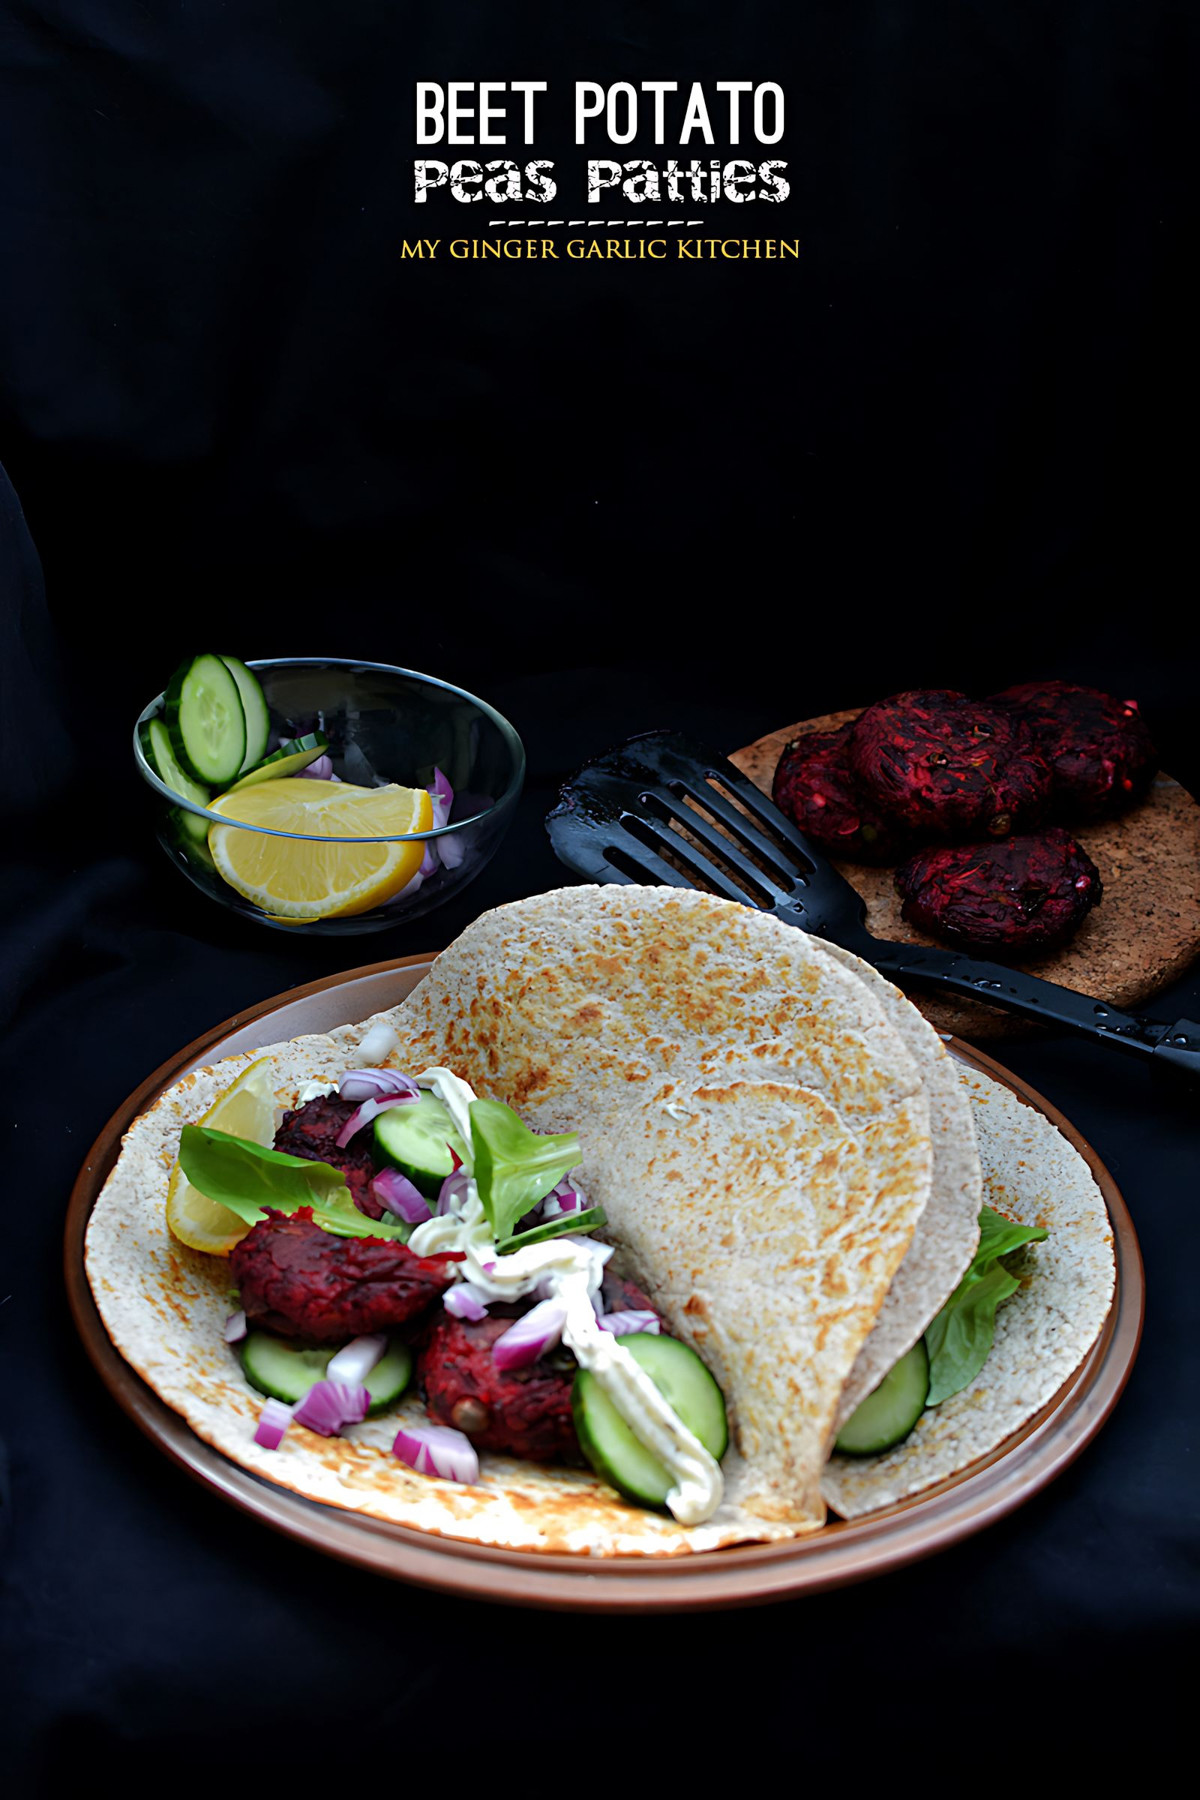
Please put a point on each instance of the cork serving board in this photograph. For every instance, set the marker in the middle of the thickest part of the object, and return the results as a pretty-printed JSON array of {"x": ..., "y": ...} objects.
[{"x": 1142, "y": 936}]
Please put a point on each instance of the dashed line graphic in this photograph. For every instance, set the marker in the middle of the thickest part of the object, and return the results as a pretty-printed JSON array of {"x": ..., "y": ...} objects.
[{"x": 608, "y": 223}]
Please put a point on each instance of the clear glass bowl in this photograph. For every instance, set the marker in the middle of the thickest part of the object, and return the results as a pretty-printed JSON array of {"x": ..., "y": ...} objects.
[{"x": 384, "y": 725}]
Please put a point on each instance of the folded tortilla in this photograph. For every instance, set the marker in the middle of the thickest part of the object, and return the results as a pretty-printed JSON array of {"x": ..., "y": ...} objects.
[
  {"x": 755, "y": 1116},
  {"x": 947, "y": 1233},
  {"x": 1043, "y": 1331},
  {"x": 752, "y": 1123}
]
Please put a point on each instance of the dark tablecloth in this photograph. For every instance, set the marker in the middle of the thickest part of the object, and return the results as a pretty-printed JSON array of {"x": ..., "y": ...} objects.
[
  {"x": 149, "y": 1628},
  {"x": 936, "y": 448}
]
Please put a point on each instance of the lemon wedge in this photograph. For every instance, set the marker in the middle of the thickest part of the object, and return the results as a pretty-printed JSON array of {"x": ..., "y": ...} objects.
[
  {"x": 245, "y": 1109},
  {"x": 294, "y": 879}
]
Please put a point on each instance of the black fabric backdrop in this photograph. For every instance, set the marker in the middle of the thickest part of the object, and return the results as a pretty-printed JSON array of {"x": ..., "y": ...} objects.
[{"x": 940, "y": 447}]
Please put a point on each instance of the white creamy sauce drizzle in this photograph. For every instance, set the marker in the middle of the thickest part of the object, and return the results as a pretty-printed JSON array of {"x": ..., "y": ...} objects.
[
  {"x": 569, "y": 1270},
  {"x": 455, "y": 1095},
  {"x": 315, "y": 1090}
]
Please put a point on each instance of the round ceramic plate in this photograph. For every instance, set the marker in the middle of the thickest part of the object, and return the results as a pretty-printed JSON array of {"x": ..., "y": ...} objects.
[{"x": 738, "y": 1576}]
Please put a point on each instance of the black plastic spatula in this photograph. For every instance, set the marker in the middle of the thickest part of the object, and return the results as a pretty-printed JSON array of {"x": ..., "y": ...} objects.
[{"x": 662, "y": 808}]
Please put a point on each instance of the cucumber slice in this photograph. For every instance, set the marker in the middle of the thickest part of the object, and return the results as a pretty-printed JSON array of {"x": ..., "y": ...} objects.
[
  {"x": 156, "y": 748},
  {"x": 254, "y": 708},
  {"x": 204, "y": 716},
  {"x": 190, "y": 834},
  {"x": 417, "y": 1140},
  {"x": 287, "y": 1371},
  {"x": 585, "y": 1218},
  {"x": 888, "y": 1414},
  {"x": 611, "y": 1447},
  {"x": 292, "y": 756},
  {"x": 189, "y": 829}
]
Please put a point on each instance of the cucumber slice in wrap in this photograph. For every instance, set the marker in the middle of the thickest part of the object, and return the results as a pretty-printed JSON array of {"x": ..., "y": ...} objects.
[
  {"x": 418, "y": 1140},
  {"x": 612, "y": 1448},
  {"x": 888, "y": 1414},
  {"x": 286, "y": 1371}
]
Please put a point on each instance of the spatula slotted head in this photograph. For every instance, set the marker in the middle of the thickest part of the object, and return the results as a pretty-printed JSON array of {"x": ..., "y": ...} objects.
[{"x": 663, "y": 809}]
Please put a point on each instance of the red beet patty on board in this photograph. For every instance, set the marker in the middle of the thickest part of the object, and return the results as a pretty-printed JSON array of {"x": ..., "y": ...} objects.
[
  {"x": 945, "y": 766},
  {"x": 1016, "y": 896},
  {"x": 813, "y": 785},
  {"x": 1100, "y": 754}
]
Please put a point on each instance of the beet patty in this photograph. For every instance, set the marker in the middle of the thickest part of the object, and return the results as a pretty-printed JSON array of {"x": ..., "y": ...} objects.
[
  {"x": 1100, "y": 754},
  {"x": 813, "y": 785},
  {"x": 312, "y": 1131},
  {"x": 526, "y": 1412},
  {"x": 1016, "y": 896},
  {"x": 946, "y": 766},
  {"x": 300, "y": 1281}
]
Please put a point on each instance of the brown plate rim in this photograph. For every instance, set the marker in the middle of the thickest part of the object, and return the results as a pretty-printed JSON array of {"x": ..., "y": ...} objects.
[{"x": 741, "y": 1575}]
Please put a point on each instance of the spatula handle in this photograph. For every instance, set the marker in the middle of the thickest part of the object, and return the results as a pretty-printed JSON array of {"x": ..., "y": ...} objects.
[{"x": 1176, "y": 1046}]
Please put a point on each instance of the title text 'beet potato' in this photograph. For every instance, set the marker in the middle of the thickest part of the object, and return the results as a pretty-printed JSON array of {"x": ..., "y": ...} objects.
[{"x": 467, "y": 113}]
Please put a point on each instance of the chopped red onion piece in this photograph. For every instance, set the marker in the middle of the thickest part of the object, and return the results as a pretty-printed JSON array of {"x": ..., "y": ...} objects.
[
  {"x": 377, "y": 1084},
  {"x": 465, "y": 1301},
  {"x": 622, "y": 1323},
  {"x": 449, "y": 850},
  {"x": 441, "y": 815},
  {"x": 370, "y": 1109},
  {"x": 355, "y": 1360},
  {"x": 273, "y": 1422},
  {"x": 235, "y": 1327},
  {"x": 401, "y": 1197},
  {"x": 530, "y": 1336},
  {"x": 442, "y": 795},
  {"x": 452, "y": 1189},
  {"x": 321, "y": 770},
  {"x": 437, "y": 1450},
  {"x": 329, "y": 1405}
]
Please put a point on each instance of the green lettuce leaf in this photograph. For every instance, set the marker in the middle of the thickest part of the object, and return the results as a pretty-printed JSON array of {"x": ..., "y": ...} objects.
[
  {"x": 961, "y": 1336},
  {"x": 515, "y": 1167},
  {"x": 247, "y": 1178}
]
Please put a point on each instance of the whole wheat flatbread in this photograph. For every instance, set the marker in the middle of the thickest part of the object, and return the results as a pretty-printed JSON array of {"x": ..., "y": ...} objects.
[
  {"x": 800, "y": 1068},
  {"x": 947, "y": 1233},
  {"x": 1043, "y": 1332},
  {"x": 681, "y": 1035}
]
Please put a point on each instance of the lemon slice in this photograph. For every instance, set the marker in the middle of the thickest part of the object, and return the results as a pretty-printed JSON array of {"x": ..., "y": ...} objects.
[
  {"x": 294, "y": 879},
  {"x": 245, "y": 1109}
]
